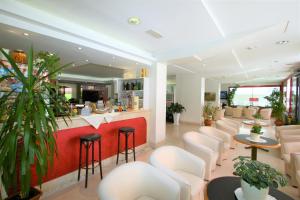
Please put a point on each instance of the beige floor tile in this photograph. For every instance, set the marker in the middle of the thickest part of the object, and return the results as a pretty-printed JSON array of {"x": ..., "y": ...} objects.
[{"x": 174, "y": 137}]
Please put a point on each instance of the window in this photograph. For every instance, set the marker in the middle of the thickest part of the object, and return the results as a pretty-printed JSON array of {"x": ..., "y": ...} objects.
[
  {"x": 246, "y": 96},
  {"x": 68, "y": 93}
]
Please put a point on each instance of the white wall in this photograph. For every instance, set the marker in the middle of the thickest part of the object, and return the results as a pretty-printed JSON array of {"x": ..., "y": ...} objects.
[
  {"x": 215, "y": 87},
  {"x": 190, "y": 93},
  {"x": 71, "y": 85},
  {"x": 158, "y": 85}
]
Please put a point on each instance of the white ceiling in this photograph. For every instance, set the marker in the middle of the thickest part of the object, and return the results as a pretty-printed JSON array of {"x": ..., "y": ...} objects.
[{"x": 217, "y": 31}]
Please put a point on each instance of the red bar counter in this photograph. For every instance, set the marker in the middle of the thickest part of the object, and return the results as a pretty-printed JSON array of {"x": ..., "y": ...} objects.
[{"x": 67, "y": 139}]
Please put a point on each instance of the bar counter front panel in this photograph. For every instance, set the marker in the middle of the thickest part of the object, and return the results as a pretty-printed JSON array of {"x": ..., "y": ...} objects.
[{"x": 68, "y": 142}]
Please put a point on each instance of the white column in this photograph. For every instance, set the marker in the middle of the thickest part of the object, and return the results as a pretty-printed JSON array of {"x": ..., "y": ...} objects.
[
  {"x": 190, "y": 93},
  {"x": 158, "y": 87}
]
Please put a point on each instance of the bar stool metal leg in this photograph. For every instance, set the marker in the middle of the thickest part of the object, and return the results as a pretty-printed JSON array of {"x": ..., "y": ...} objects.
[
  {"x": 133, "y": 140},
  {"x": 93, "y": 166},
  {"x": 126, "y": 148},
  {"x": 100, "y": 158},
  {"x": 118, "y": 147},
  {"x": 79, "y": 168},
  {"x": 86, "y": 163}
]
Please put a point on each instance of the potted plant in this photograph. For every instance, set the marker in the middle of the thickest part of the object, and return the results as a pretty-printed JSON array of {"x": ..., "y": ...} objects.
[
  {"x": 208, "y": 112},
  {"x": 231, "y": 94},
  {"x": 257, "y": 177},
  {"x": 27, "y": 133},
  {"x": 278, "y": 107},
  {"x": 257, "y": 117},
  {"x": 256, "y": 132},
  {"x": 176, "y": 109}
]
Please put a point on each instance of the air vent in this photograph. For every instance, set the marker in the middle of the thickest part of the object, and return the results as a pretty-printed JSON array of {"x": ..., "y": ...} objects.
[{"x": 154, "y": 34}]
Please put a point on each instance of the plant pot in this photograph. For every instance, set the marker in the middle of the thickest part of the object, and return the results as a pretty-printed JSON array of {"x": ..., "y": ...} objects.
[
  {"x": 176, "y": 117},
  {"x": 254, "y": 136},
  {"x": 251, "y": 192},
  {"x": 278, "y": 122},
  {"x": 207, "y": 122},
  {"x": 34, "y": 194}
]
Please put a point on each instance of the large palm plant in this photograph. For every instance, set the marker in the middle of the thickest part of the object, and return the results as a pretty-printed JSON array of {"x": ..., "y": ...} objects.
[{"x": 28, "y": 123}]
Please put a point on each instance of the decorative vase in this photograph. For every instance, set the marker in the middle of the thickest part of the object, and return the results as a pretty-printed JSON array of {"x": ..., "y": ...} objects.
[
  {"x": 251, "y": 192},
  {"x": 254, "y": 136},
  {"x": 207, "y": 122},
  {"x": 176, "y": 117},
  {"x": 19, "y": 56},
  {"x": 278, "y": 122}
]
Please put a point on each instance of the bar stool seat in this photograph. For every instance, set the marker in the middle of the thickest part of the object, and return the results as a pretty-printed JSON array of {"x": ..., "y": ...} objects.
[
  {"x": 87, "y": 141},
  {"x": 126, "y": 131}
]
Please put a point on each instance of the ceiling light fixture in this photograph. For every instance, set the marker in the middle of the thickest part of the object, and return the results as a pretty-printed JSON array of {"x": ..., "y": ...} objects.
[
  {"x": 197, "y": 57},
  {"x": 134, "y": 20},
  {"x": 110, "y": 65},
  {"x": 282, "y": 42},
  {"x": 86, "y": 60},
  {"x": 73, "y": 65},
  {"x": 79, "y": 48},
  {"x": 26, "y": 34}
]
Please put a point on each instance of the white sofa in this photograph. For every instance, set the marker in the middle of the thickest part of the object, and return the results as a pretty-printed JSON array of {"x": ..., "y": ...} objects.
[
  {"x": 140, "y": 181},
  {"x": 249, "y": 112},
  {"x": 185, "y": 168},
  {"x": 266, "y": 113},
  {"x": 219, "y": 114},
  {"x": 208, "y": 149},
  {"x": 219, "y": 135},
  {"x": 237, "y": 112},
  {"x": 228, "y": 110}
]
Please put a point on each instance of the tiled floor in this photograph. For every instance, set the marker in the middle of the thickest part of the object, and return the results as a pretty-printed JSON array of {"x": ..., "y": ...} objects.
[{"x": 174, "y": 133}]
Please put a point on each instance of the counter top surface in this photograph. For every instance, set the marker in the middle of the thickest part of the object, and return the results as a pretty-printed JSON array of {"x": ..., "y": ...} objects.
[{"x": 78, "y": 121}]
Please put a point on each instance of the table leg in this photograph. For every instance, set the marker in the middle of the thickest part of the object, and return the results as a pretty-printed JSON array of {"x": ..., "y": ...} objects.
[{"x": 254, "y": 153}]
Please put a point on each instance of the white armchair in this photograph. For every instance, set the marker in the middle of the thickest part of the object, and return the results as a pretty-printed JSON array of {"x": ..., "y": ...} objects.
[
  {"x": 217, "y": 134},
  {"x": 185, "y": 168},
  {"x": 266, "y": 113},
  {"x": 233, "y": 123},
  {"x": 138, "y": 180},
  {"x": 205, "y": 147},
  {"x": 290, "y": 150},
  {"x": 226, "y": 127},
  {"x": 237, "y": 112},
  {"x": 280, "y": 129}
]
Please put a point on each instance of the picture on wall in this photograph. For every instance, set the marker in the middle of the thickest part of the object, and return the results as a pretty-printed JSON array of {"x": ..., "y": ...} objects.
[{"x": 209, "y": 96}]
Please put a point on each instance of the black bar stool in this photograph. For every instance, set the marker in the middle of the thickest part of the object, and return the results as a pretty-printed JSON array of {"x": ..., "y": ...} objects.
[
  {"x": 87, "y": 141},
  {"x": 127, "y": 131}
]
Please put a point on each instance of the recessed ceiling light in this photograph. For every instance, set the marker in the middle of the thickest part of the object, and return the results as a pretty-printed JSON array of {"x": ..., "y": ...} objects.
[
  {"x": 73, "y": 65},
  {"x": 197, "y": 57},
  {"x": 134, "y": 20},
  {"x": 26, "y": 34},
  {"x": 110, "y": 65},
  {"x": 282, "y": 42},
  {"x": 136, "y": 63},
  {"x": 86, "y": 60},
  {"x": 79, "y": 48}
]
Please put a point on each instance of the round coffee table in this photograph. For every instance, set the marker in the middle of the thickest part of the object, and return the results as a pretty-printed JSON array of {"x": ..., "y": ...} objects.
[
  {"x": 223, "y": 189},
  {"x": 270, "y": 143},
  {"x": 252, "y": 122}
]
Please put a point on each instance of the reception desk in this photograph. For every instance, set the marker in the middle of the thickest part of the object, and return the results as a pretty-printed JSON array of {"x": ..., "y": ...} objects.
[{"x": 67, "y": 139}]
